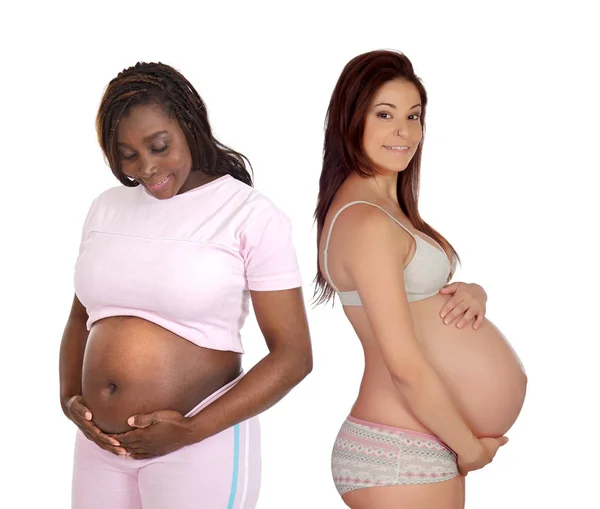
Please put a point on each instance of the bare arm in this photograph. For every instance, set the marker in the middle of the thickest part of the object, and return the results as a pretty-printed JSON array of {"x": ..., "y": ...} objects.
[
  {"x": 282, "y": 319},
  {"x": 72, "y": 348},
  {"x": 374, "y": 262}
]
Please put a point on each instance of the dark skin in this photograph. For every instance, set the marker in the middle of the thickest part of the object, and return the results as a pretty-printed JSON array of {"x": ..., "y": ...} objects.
[
  {"x": 71, "y": 359},
  {"x": 153, "y": 148},
  {"x": 282, "y": 320}
]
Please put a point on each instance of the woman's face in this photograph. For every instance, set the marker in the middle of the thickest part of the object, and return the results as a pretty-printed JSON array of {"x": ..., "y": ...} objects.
[
  {"x": 393, "y": 128},
  {"x": 153, "y": 150}
]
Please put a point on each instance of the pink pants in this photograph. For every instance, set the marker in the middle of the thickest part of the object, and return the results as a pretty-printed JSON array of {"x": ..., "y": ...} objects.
[{"x": 221, "y": 472}]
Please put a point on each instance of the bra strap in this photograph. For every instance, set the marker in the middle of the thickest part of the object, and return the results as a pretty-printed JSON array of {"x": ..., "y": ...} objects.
[{"x": 325, "y": 251}]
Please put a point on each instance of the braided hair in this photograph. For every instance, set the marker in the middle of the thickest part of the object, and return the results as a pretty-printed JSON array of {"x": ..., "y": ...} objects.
[{"x": 156, "y": 83}]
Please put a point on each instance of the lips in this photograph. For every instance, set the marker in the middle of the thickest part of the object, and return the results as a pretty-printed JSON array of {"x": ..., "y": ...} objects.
[
  {"x": 397, "y": 148},
  {"x": 158, "y": 183}
]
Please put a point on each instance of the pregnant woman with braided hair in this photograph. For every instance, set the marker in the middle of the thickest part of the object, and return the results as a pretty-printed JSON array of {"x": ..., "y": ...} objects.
[{"x": 150, "y": 360}]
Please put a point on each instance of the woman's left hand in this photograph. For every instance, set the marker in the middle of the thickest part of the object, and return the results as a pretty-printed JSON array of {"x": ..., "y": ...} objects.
[
  {"x": 467, "y": 302},
  {"x": 157, "y": 434}
]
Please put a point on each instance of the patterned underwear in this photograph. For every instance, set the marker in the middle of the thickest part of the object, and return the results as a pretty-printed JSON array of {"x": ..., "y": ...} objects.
[{"x": 367, "y": 454}]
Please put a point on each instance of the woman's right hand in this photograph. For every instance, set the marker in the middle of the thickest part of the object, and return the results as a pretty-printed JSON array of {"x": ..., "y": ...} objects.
[
  {"x": 82, "y": 417},
  {"x": 489, "y": 447}
]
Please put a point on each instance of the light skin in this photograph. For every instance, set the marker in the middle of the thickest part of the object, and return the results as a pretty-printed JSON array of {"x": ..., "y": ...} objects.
[
  {"x": 372, "y": 265},
  {"x": 368, "y": 261},
  {"x": 392, "y": 134},
  {"x": 393, "y": 131},
  {"x": 152, "y": 147},
  {"x": 466, "y": 305}
]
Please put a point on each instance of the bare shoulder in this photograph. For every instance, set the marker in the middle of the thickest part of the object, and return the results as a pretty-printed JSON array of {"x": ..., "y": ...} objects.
[{"x": 366, "y": 229}]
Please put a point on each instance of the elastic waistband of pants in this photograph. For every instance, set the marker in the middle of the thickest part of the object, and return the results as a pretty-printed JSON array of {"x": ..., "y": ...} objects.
[{"x": 214, "y": 396}]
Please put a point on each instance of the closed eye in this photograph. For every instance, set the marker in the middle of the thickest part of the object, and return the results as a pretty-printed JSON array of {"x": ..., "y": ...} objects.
[
  {"x": 129, "y": 157},
  {"x": 161, "y": 149}
]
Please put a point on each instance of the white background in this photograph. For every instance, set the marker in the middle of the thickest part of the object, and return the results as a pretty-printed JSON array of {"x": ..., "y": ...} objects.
[{"x": 509, "y": 176}]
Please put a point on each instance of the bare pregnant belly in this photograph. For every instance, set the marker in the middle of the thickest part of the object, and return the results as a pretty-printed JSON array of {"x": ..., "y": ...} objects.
[
  {"x": 133, "y": 366},
  {"x": 480, "y": 368}
]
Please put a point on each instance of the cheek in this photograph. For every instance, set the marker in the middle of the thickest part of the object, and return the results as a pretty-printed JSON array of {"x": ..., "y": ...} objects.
[
  {"x": 372, "y": 138},
  {"x": 128, "y": 169},
  {"x": 181, "y": 161},
  {"x": 417, "y": 133},
  {"x": 369, "y": 147}
]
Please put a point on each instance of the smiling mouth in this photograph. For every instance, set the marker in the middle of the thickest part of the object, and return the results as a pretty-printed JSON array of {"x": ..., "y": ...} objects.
[
  {"x": 396, "y": 148},
  {"x": 160, "y": 183}
]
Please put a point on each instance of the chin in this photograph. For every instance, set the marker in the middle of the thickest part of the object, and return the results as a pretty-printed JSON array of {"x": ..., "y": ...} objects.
[
  {"x": 389, "y": 170},
  {"x": 387, "y": 167},
  {"x": 162, "y": 195}
]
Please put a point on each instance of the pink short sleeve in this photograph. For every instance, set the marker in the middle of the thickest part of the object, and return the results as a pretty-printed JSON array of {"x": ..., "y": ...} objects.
[
  {"x": 268, "y": 252},
  {"x": 86, "y": 227}
]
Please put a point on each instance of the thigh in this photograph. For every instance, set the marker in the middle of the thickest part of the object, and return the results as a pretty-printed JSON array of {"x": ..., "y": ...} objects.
[
  {"x": 102, "y": 480},
  {"x": 222, "y": 472},
  {"x": 441, "y": 495}
]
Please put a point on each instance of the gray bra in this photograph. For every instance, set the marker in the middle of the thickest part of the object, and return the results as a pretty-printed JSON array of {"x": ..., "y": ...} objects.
[{"x": 427, "y": 272}]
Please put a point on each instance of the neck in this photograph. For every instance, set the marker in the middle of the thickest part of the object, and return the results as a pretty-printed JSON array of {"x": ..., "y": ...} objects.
[
  {"x": 383, "y": 185},
  {"x": 197, "y": 179}
]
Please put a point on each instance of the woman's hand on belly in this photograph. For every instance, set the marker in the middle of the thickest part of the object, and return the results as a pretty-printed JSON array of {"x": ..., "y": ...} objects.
[
  {"x": 468, "y": 301},
  {"x": 489, "y": 448},
  {"x": 156, "y": 434},
  {"x": 82, "y": 417}
]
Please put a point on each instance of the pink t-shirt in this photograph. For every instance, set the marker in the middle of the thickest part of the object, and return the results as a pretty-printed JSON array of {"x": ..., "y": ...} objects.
[{"x": 186, "y": 263}]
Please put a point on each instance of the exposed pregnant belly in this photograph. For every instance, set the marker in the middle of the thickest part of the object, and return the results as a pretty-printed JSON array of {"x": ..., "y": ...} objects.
[
  {"x": 479, "y": 367},
  {"x": 133, "y": 366}
]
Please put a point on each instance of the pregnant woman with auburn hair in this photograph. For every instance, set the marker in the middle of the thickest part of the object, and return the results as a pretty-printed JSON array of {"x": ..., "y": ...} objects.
[
  {"x": 150, "y": 360},
  {"x": 441, "y": 384}
]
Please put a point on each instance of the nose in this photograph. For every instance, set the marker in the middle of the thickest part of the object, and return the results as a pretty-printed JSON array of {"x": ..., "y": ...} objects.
[
  {"x": 147, "y": 167},
  {"x": 401, "y": 129}
]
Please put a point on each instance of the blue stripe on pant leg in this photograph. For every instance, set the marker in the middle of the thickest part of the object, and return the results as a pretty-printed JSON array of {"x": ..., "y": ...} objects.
[{"x": 236, "y": 457}]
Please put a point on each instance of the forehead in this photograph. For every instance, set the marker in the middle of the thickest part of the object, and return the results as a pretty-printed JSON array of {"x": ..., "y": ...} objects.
[
  {"x": 401, "y": 93},
  {"x": 144, "y": 120}
]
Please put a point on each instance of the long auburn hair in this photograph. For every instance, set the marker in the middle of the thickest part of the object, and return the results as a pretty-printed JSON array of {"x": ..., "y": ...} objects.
[
  {"x": 342, "y": 150},
  {"x": 157, "y": 83}
]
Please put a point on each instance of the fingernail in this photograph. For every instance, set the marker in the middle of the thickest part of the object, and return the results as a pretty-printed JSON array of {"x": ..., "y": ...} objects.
[
  {"x": 459, "y": 325},
  {"x": 130, "y": 421},
  {"x": 446, "y": 322},
  {"x": 88, "y": 416}
]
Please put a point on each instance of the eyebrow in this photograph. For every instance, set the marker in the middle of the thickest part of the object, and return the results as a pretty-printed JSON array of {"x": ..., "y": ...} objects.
[
  {"x": 394, "y": 106},
  {"x": 148, "y": 138}
]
